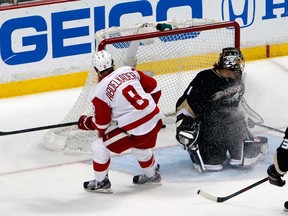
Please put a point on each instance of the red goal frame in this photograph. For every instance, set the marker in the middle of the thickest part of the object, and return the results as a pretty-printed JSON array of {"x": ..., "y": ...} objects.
[{"x": 228, "y": 24}]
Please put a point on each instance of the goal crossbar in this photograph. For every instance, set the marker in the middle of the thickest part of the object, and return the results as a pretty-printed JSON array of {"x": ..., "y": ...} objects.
[{"x": 205, "y": 27}]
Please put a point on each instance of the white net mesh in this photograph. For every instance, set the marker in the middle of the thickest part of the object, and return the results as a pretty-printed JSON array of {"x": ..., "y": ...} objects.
[{"x": 173, "y": 57}]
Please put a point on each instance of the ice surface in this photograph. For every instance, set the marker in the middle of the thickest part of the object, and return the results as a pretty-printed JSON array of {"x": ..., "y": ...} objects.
[{"x": 35, "y": 181}]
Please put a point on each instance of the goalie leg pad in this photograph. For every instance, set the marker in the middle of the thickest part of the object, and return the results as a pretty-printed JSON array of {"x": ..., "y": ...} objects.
[
  {"x": 199, "y": 164},
  {"x": 255, "y": 147},
  {"x": 254, "y": 150},
  {"x": 196, "y": 160}
]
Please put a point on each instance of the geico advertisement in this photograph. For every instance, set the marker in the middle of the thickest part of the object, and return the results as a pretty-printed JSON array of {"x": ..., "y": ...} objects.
[{"x": 60, "y": 38}]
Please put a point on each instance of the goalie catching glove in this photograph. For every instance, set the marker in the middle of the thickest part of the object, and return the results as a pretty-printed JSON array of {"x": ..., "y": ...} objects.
[{"x": 187, "y": 131}]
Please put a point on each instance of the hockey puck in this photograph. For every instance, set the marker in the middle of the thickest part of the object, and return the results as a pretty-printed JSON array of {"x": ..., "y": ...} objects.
[
  {"x": 286, "y": 206},
  {"x": 163, "y": 126}
]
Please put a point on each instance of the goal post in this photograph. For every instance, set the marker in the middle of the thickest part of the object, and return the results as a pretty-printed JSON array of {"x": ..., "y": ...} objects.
[{"x": 173, "y": 52}]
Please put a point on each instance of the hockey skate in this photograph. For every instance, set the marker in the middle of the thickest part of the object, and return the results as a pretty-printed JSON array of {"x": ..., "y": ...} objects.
[
  {"x": 143, "y": 179},
  {"x": 98, "y": 187}
]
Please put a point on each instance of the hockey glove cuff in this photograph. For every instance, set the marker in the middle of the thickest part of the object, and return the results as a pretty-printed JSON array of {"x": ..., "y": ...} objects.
[
  {"x": 84, "y": 123},
  {"x": 274, "y": 177}
]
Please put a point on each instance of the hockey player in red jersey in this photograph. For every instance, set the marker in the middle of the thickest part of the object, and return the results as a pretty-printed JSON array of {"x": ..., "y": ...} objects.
[
  {"x": 209, "y": 122},
  {"x": 128, "y": 98},
  {"x": 277, "y": 170}
]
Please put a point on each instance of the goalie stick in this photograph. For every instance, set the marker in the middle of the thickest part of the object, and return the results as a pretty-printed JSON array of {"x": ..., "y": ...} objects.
[
  {"x": 223, "y": 199},
  {"x": 3, "y": 133},
  {"x": 270, "y": 128}
]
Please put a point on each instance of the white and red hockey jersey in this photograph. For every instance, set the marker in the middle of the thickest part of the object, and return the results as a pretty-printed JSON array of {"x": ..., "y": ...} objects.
[{"x": 128, "y": 97}]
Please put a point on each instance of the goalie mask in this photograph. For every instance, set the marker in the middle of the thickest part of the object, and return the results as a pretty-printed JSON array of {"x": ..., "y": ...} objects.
[
  {"x": 102, "y": 61},
  {"x": 232, "y": 59}
]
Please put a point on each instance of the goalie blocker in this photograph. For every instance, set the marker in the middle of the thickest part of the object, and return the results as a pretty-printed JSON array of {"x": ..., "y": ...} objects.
[{"x": 187, "y": 133}]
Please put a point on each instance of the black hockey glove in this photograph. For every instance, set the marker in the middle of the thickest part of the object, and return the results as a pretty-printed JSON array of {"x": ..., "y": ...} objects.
[
  {"x": 274, "y": 177},
  {"x": 187, "y": 131}
]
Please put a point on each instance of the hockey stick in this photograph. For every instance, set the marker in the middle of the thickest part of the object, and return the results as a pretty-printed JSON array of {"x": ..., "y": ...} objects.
[
  {"x": 3, "y": 133},
  {"x": 255, "y": 115},
  {"x": 223, "y": 199},
  {"x": 268, "y": 127}
]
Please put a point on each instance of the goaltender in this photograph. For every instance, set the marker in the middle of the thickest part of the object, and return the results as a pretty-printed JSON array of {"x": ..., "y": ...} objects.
[{"x": 209, "y": 122}]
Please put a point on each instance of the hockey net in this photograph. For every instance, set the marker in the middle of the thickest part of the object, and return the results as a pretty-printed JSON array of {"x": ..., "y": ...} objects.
[{"x": 172, "y": 52}]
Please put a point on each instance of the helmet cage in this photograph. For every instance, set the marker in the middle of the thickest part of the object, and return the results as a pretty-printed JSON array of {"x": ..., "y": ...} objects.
[{"x": 232, "y": 59}]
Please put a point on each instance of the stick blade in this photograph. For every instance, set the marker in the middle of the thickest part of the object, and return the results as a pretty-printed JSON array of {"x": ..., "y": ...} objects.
[{"x": 209, "y": 196}]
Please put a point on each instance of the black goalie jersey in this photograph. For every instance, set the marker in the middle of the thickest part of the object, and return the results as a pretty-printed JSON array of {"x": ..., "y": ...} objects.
[
  {"x": 213, "y": 100},
  {"x": 209, "y": 93}
]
